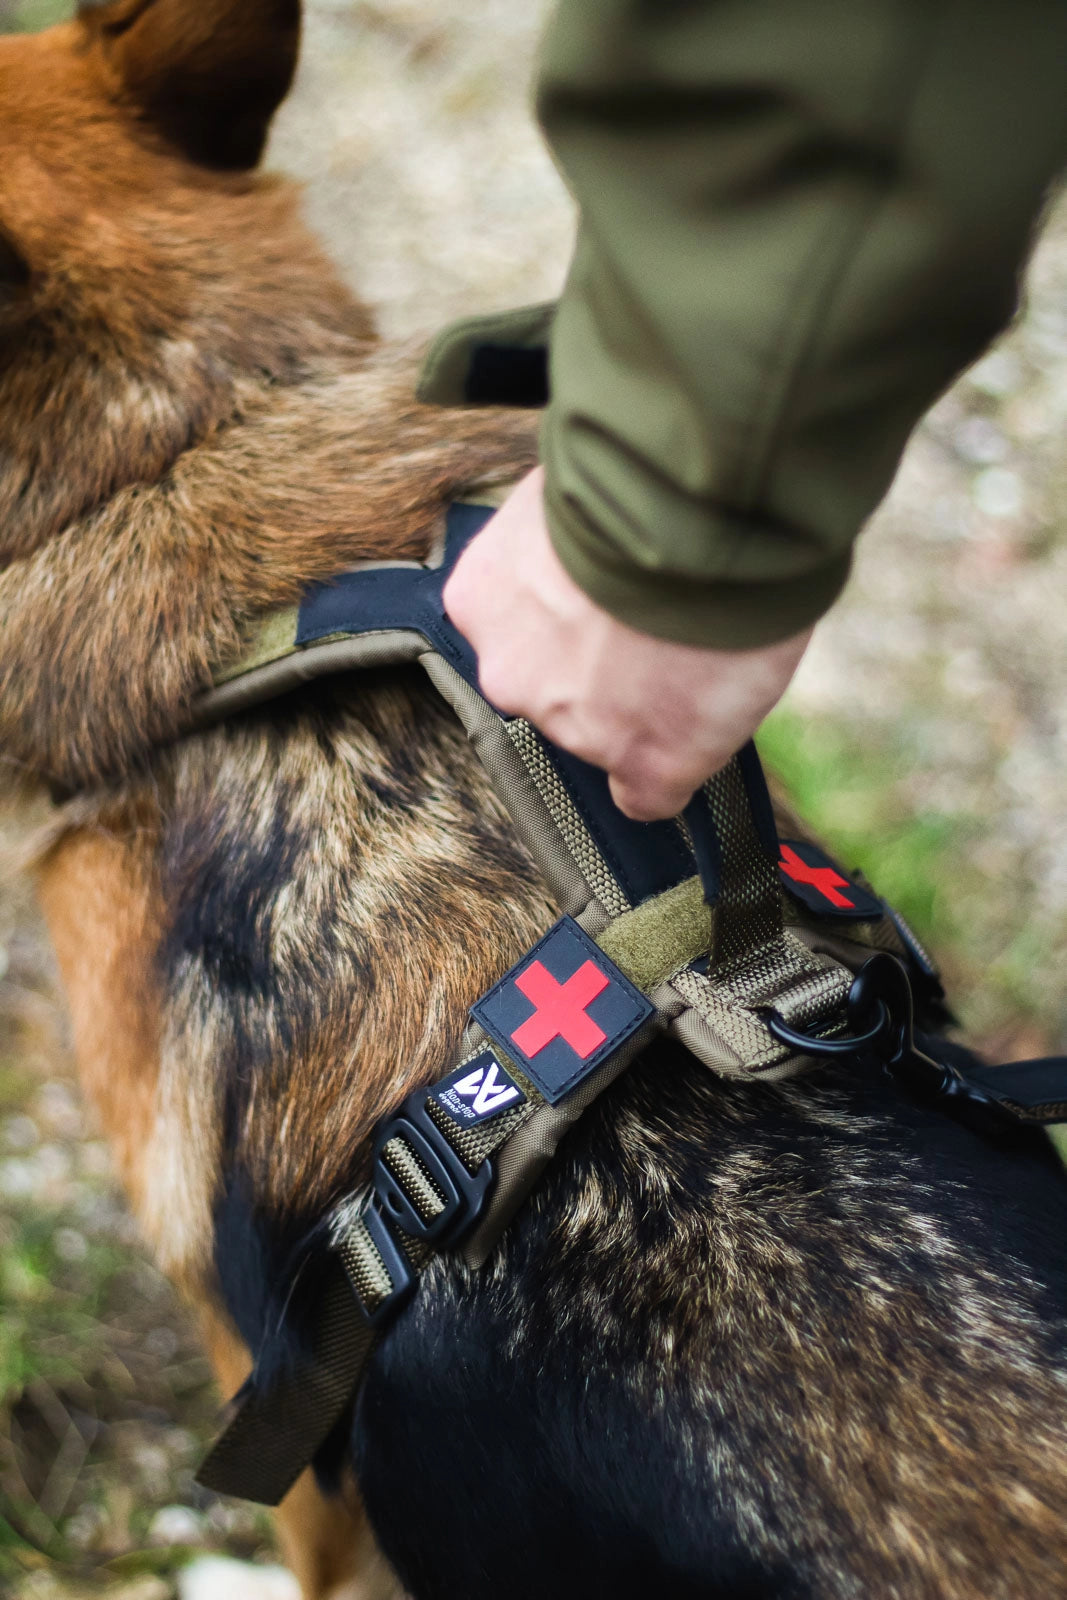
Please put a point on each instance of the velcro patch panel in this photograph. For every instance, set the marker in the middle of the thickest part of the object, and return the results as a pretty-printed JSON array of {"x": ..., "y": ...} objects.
[
  {"x": 814, "y": 879},
  {"x": 562, "y": 1010}
]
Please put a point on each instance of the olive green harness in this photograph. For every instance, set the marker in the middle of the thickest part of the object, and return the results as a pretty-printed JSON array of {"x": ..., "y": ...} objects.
[{"x": 707, "y": 928}]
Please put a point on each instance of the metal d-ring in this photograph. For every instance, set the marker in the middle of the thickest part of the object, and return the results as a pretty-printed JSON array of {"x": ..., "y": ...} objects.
[
  {"x": 807, "y": 1044},
  {"x": 880, "y": 989}
]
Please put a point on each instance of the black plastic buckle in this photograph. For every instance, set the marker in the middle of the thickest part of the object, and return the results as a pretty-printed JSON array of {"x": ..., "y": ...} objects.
[
  {"x": 464, "y": 1192},
  {"x": 395, "y": 1262}
]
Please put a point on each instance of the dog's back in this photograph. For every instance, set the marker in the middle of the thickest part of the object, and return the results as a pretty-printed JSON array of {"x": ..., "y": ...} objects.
[
  {"x": 794, "y": 1342},
  {"x": 760, "y": 1341}
]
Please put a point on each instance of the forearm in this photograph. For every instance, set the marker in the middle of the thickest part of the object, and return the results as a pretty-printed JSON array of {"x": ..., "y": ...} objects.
[{"x": 799, "y": 222}]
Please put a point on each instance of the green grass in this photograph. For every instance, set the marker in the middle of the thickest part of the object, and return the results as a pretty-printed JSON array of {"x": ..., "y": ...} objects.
[
  {"x": 106, "y": 1402},
  {"x": 849, "y": 793},
  {"x": 850, "y": 785},
  {"x": 27, "y": 16},
  {"x": 51, "y": 1309}
]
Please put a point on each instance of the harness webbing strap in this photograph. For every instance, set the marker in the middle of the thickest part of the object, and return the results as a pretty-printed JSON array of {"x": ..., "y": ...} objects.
[
  {"x": 572, "y": 826},
  {"x": 1030, "y": 1091},
  {"x": 755, "y": 962},
  {"x": 274, "y": 1433},
  {"x": 752, "y": 961},
  {"x": 657, "y": 952}
]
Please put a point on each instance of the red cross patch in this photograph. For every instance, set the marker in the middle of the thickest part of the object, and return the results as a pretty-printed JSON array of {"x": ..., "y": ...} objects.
[
  {"x": 562, "y": 1010},
  {"x": 818, "y": 883}
]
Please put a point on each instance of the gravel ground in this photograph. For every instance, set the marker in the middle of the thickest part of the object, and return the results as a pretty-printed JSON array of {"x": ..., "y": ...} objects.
[
  {"x": 943, "y": 673},
  {"x": 926, "y": 734}
]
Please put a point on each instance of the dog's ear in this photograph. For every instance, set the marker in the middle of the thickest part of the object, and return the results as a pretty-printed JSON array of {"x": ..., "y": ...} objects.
[{"x": 209, "y": 74}]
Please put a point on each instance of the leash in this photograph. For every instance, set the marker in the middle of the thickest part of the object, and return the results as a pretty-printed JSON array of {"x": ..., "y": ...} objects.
[{"x": 760, "y": 955}]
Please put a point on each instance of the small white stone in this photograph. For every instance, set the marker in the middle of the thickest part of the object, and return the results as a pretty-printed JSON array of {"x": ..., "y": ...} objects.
[
  {"x": 40, "y": 1586},
  {"x": 21, "y": 1133},
  {"x": 980, "y": 441},
  {"x": 53, "y": 1164},
  {"x": 17, "y": 1179},
  {"x": 998, "y": 492},
  {"x": 162, "y": 1343},
  {"x": 152, "y": 1462},
  {"x": 216, "y": 1578},
  {"x": 70, "y": 1245},
  {"x": 999, "y": 373},
  {"x": 176, "y": 1525}
]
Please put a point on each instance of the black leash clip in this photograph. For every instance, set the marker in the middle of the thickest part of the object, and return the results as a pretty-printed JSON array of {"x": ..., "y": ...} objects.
[{"x": 880, "y": 1014}]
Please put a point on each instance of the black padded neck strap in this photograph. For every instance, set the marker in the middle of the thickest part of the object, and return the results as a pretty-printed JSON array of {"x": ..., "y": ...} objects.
[{"x": 645, "y": 857}]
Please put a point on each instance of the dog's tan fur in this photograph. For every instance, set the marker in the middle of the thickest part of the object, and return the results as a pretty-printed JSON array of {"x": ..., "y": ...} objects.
[
  {"x": 103, "y": 916},
  {"x": 214, "y": 424},
  {"x": 195, "y": 421},
  {"x": 270, "y": 931}
]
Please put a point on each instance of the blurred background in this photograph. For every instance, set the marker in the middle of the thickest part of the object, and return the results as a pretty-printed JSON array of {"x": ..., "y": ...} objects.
[{"x": 926, "y": 738}]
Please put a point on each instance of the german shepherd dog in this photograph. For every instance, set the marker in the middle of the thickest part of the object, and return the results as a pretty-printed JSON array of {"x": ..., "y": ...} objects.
[{"x": 793, "y": 1341}]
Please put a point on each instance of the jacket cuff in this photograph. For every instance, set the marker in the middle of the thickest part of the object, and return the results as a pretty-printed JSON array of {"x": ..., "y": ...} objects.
[
  {"x": 495, "y": 360},
  {"x": 720, "y": 613}
]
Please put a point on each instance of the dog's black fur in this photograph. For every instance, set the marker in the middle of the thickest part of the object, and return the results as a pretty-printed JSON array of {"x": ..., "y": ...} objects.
[
  {"x": 737, "y": 1336},
  {"x": 742, "y": 1340},
  {"x": 616, "y": 1411}
]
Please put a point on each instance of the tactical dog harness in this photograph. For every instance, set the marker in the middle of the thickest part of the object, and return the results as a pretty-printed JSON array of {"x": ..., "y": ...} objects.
[{"x": 744, "y": 947}]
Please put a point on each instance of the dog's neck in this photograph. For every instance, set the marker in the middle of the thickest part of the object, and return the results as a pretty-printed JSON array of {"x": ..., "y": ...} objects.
[
  {"x": 108, "y": 386},
  {"x": 143, "y": 596}
]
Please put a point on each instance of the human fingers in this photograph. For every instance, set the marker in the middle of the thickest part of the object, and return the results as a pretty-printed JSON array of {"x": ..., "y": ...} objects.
[
  {"x": 648, "y": 802},
  {"x": 650, "y": 784},
  {"x": 483, "y": 581}
]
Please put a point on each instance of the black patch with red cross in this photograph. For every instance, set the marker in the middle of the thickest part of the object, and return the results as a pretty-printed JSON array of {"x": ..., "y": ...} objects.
[
  {"x": 818, "y": 883},
  {"x": 562, "y": 1010}
]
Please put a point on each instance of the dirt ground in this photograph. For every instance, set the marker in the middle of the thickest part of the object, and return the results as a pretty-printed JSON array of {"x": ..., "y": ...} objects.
[{"x": 926, "y": 735}]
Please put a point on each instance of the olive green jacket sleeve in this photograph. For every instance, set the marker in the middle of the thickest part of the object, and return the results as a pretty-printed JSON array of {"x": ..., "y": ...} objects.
[{"x": 799, "y": 220}]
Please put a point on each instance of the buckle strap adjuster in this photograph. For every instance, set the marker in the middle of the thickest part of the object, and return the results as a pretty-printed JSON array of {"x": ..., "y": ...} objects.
[
  {"x": 393, "y": 1259},
  {"x": 461, "y": 1193}
]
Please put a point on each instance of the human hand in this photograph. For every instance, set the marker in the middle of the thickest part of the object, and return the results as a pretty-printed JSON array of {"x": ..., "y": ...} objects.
[{"x": 658, "y": 717}]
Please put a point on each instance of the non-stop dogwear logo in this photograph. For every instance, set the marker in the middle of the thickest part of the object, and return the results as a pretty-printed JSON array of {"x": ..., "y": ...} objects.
[
  {"x": 562, "y": 1010},
  {"x": 478, "y": 1090}
]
